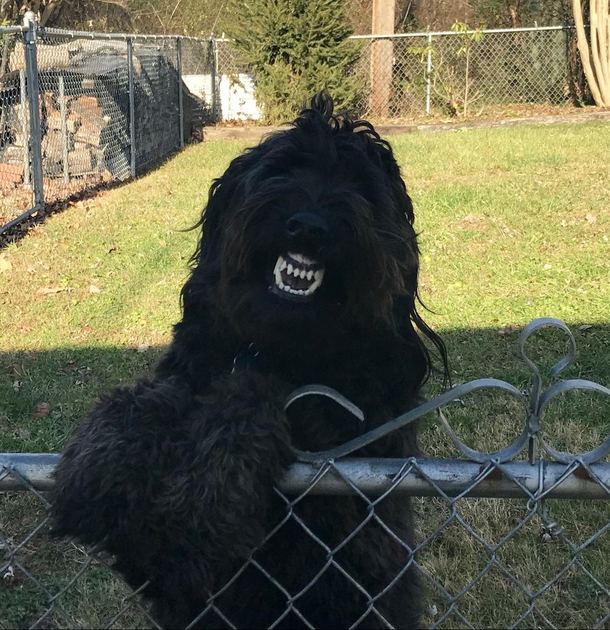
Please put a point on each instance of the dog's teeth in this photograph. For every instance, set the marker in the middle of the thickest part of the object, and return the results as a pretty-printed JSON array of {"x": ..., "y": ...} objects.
[
  {"x": 313, "y": 276},
  {"x": 277, "y": 271}
]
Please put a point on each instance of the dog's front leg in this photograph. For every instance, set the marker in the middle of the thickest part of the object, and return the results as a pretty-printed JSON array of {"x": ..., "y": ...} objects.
[
  {"x": 243, "y": 447},
  {"x": 176, "y": 486}
]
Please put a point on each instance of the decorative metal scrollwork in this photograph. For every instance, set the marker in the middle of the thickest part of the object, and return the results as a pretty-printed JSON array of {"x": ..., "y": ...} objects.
[{"x": 534, "y": 407}]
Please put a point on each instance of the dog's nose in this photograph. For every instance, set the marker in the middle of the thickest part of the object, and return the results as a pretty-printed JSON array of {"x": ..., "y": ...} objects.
[{"x": 308, "y": 226}]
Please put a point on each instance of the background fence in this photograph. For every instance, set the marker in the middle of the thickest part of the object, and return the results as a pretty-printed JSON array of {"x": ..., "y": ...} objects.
[
  {"x": 463, "y": 72},
  {"x": 446, "y": 73},
  {"x": 498, "y": 544},
  {"x": 79, "y": 109}
]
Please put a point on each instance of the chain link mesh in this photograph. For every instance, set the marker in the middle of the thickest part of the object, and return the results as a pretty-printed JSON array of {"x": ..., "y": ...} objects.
[
  {"x": 84, "y": 113},
  {"x": 236, "y": 84},
  {"x": 15, "y": 187},
  {"x": 451, "y": 73},
  {"x": 157, "y": 85},
  {"x": 483, "y": 562},
  {"x": 457, "y": 73},
  {"x": 198, "y": 76}
]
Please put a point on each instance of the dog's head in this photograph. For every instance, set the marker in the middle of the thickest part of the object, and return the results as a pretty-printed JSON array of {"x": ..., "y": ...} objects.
[{"x": 310, "y": 233}]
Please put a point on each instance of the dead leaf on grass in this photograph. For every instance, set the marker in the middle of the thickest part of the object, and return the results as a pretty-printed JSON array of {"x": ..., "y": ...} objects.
[
  {"x": 591, "y": 218},
  {"x": 508, "y": 330},
  {"x": 51, "y": 290},
  {"x": 471, "y": 221},
  {"x": 41, "y": 411},
  {"x": 143, "y": 347},
  {"x": 94, "y": 289},
  {"x": 5, "y": 265},
  {"x": 585, "y": 327}
]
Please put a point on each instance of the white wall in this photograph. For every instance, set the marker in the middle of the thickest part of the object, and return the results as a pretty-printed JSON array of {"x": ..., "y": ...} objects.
[{"x": 237, "y": 100}]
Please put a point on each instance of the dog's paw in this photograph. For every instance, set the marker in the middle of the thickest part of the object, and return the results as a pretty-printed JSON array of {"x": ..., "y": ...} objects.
[{"x": 245, "y": 391}]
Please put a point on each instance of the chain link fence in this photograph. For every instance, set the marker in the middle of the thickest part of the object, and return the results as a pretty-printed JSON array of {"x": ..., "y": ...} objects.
[
  {"x": 448, "y": 73},
  {"x": 453, "y": 73},
  {"x": 516, "y": 537},
  {"x": 83, "y": 109}
]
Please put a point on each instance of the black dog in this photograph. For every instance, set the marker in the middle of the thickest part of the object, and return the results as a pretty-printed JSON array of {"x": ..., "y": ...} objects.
[{"x": 306, "y": 272}]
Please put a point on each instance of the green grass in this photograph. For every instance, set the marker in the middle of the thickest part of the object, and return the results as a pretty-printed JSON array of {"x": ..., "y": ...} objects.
[{"x": 514, "y": 224}]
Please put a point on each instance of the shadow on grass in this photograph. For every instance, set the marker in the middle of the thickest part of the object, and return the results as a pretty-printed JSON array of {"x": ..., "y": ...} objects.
[
  {"x": 17, "y": 232},
  {"x": 69, "y": 380}
]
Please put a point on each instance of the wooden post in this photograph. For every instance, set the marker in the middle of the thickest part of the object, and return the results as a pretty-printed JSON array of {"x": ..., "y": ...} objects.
[{"x": 382, "y": 52}]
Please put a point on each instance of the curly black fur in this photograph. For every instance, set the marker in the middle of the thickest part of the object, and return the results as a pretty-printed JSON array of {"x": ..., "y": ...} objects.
[{"x": 175, "y": 475}]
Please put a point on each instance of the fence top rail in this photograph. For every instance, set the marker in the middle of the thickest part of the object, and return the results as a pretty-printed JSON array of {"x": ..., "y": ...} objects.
[
  {"x": 377, "y": 476},
  {"x": 5, "y": 30},
  {"x": 528, "y": 29},
  {"x": 58, "y": 32},
  {"x": 124, "y": 36}
]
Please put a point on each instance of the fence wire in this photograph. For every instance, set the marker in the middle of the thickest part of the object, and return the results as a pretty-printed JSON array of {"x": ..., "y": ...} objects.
[
  {"x": 460, "y": 73},
  {"x": 497, "y": 544},
  {"x": 15, "y": 182}
]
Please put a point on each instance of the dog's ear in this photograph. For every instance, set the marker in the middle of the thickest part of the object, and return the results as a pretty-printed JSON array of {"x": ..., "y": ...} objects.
[
  {"x": 406, "y": 312},
  {"x": 380, "y": 151},
  {"x": 224, "y": 194}
]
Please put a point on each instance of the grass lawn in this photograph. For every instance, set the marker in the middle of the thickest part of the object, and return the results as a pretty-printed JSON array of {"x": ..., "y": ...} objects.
[{"x": 514, "y": 223}]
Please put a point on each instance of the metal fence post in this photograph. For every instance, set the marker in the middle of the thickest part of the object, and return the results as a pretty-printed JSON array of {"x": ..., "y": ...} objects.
[
  {"x": 429, "y": 75},
  {"x": 180, "y": 95},
  {"x": 212, "y": 54},
  {"x": 31, "y": 68},
  {"x": 132, "y": 106},
  {"x": 24, "y": 128},
  {"x": 64, "y": 129}
]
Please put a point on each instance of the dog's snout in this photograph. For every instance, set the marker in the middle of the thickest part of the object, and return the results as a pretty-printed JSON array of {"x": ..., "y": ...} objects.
[{"x": 308, "y": 226}]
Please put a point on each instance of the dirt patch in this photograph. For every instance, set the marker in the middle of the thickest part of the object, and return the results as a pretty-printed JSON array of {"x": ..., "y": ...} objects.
[
  {"x": 472, "y": 222},
  {"x": 533, "y": 117}
]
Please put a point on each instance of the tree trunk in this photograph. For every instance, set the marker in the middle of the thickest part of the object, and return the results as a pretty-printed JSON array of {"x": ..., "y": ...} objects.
[{"x": 598, "y": 73}]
